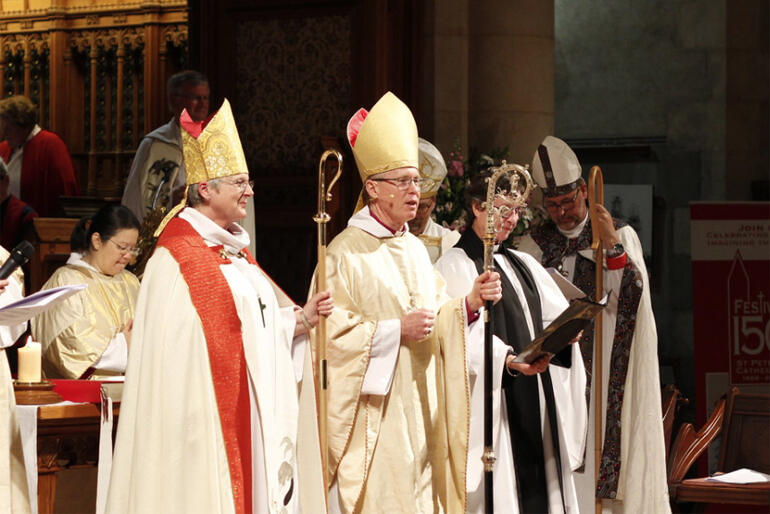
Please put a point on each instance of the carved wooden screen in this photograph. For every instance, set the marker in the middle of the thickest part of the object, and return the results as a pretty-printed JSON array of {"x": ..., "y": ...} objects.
[
  {"x": 295, "y": 71},
  {"x": 97, "y": 75},
  {"x": 24, "y": 69}
]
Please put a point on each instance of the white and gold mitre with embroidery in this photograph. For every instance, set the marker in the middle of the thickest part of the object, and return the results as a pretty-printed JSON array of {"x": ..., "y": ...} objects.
[
  {"x": 383, "y": 139},
  {"x": 432, "y": 169},
  {"x": 211, "y": 148}
]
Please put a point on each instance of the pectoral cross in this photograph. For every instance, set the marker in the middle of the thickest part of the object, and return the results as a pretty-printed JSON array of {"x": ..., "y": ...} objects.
[{"x": 262, "y": 308}]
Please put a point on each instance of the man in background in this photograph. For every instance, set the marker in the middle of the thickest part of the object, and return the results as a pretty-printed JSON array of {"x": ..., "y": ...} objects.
[
  {"x": 632, "y": 474},
  {"x": 158, "y": 167},
  {"x": 436, "y": 238}
]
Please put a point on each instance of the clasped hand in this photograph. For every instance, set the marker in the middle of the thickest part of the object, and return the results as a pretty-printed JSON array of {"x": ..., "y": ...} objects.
[
  {"x": 418, "y": 324},
  {"x": 320, "y": 304},
  {"x": 486, "y": 288},
  {"x": 606, "y": 226}
]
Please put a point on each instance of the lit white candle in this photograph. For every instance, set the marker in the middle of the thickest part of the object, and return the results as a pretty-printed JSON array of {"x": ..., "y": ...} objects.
[{"x": 29, "y": 362}]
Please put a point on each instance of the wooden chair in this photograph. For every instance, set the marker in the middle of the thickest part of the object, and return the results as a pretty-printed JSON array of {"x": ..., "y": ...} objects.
[
  {"x": 745, "y": 428},
  {"x": 671, "y": 400}
]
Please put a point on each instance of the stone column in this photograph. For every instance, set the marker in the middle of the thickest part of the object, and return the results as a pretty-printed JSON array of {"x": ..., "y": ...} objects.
[
  {"x": 748, "y": 99},
  {"x": 449, "y": 81},
  {"x": 511, "y": 75}
]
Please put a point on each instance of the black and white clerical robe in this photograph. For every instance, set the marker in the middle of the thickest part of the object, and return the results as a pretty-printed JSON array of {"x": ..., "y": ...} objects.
[{"x": 539, "y": 421}]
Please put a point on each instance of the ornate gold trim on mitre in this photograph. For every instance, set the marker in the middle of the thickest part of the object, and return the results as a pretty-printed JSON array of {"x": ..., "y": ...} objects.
[
  {"x": 387, "y": 138},
  {"x": 216, "y": 152}
]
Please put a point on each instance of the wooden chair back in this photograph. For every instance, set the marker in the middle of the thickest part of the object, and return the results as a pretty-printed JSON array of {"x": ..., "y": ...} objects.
[
  {"x": 671, "y": 401},
  {"x": 746, "y": 433},
  {"x": 690, "y": 445}
]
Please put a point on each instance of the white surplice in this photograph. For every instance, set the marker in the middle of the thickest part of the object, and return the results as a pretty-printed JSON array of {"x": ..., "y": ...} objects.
[
  {"x": 459, "y": 271},
  {"x": 170, "y": 453},
  {"x": 14, "y": 495}
]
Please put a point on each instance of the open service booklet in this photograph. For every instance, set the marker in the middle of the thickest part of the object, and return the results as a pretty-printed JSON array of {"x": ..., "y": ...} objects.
[
  {"x": 556, "y": 336},
  {"x": 34, "y": 304}
]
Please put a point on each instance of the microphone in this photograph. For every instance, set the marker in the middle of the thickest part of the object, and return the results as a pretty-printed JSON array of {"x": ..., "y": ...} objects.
[{"x": 19, "y": 256}]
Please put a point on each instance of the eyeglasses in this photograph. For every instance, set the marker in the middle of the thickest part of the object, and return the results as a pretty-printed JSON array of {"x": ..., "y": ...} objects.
[
  {"x": 132, "y": 250},
  {"x": 403, "y": 183},
  {"x": 194, "y": 98},
  {"x": 241, "y": 184},
  {"x": 563, "y": 206},
  {"x": 505, "y": 211}
]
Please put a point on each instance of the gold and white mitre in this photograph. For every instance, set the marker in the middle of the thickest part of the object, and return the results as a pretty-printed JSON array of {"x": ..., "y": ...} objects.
[
  {"x": 555, "y": 167},
  {"x": 212, "y": 149},
  {"x": 432, "y": 168},
  {"x": 383, "y": 139}
]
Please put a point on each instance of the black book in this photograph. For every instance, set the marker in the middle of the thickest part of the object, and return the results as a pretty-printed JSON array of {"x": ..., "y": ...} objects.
[{"x": 556, "y": 336}]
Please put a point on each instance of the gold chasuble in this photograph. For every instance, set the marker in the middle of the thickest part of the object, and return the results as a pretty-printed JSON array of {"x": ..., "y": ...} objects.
[
  {"x": 75, "y": 333},
  {"x": 404, "y": 451}
]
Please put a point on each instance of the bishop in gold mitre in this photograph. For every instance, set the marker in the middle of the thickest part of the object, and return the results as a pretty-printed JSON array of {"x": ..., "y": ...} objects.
[
  {"x": 398, "y": 380},
  {"x": 211, "y": 419}
]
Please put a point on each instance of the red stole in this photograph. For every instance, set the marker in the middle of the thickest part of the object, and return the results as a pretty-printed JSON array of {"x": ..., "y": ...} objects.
[{"x": 213, "y": 301}]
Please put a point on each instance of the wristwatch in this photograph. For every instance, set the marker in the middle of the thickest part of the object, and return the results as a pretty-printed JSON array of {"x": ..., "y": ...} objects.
[{"x": 616, "y": 251}]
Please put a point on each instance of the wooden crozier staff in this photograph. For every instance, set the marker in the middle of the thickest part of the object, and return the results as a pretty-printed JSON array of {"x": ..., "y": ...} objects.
[
  {"x": 517, "y": 199},
  {"x": 322, "y": 218},
  {"x": 596, "y": 196}
]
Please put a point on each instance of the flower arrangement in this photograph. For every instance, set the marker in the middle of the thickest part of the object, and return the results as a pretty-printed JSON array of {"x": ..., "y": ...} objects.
[{"x": 450, "y": 200}]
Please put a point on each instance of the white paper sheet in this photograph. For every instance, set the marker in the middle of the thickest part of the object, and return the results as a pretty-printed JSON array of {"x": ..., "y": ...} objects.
[
  {"x": 741, "y": 476},
  {"x": 569, "y": 291},
  {"x": 34, "y": 304}
]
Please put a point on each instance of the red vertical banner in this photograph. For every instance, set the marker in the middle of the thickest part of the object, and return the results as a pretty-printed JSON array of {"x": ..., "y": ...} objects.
[{"x": 730, "y": 249}]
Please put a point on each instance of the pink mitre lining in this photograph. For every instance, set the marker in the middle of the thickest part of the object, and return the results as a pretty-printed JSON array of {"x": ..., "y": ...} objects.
[
  {"x": 354, "y": 125},
  {"x": 192, "y": 127}
]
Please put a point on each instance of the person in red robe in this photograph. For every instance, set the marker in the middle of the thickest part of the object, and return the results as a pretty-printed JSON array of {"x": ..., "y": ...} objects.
[
  {"x": 39, "y": 165},
  {"x": 15, "y": 216}
]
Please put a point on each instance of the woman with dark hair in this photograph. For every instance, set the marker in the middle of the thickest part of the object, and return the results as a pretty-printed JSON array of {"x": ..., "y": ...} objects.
[
  {"x": 539, "y": 408},
  {"x": 87, "y": 335}
]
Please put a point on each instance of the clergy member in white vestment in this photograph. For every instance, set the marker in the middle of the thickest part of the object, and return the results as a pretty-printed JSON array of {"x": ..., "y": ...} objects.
[
  {"x": 539, "y": 411},
  {"x": 87, "y": 335},
  {"x": 14, "y": 496},
  {"x": 437, "y": 239},
  {"x": 398, "y": 388},
  {"x": 209, "y": 417},
  {"x": 632, "y": 477}
]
